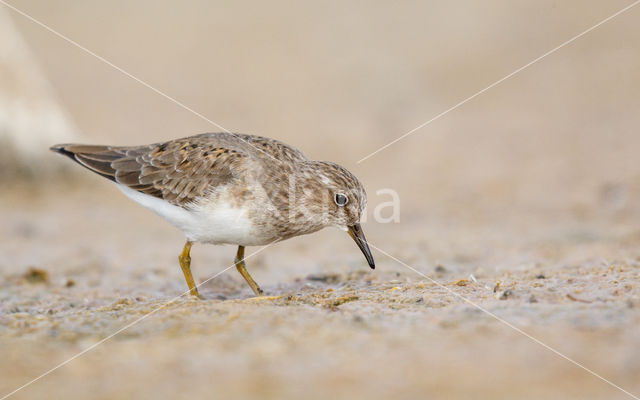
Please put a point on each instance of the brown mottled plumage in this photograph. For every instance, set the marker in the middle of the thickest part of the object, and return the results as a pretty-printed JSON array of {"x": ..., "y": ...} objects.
[
  {"x": 180, "y": 170},
  {"x": 231, "y": 188}
]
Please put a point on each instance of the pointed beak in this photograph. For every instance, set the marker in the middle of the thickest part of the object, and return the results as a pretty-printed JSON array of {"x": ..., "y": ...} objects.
[{"x": 356, "y": 233}]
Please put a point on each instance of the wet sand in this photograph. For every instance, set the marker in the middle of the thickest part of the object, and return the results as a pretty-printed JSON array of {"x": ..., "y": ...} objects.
[{"x": 90, "y": 263}]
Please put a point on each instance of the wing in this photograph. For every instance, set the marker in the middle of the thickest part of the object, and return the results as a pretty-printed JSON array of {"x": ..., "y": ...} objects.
[
  {"x": 177, "y": 171},
  {"x": 266, "y": 149}
]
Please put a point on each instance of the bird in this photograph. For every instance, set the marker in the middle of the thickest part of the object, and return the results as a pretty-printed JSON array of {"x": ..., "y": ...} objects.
[{"x": 231, "y": 188}]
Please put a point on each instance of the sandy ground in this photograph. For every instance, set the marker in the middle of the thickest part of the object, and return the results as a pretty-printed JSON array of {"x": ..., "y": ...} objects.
[
  {"x": 336, "y": 329},
  {"x": 525, "y": 201}
]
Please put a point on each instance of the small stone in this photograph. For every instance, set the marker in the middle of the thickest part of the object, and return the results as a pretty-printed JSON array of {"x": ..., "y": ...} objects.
[
  {"x": 503, "y": 294},
  {"x": 326, "y": 278},
  {"x": 36, "y": 275}
]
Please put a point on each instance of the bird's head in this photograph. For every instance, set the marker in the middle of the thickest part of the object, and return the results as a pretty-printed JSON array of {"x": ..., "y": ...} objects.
[{"x": 337, "y": 197}]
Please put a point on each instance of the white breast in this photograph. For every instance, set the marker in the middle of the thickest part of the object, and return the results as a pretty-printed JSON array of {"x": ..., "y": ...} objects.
[{"x": 211, "y": 223}]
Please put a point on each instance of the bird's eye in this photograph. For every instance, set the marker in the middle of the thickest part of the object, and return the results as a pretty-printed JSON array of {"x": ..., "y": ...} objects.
[{"x": 340, "y": 199}]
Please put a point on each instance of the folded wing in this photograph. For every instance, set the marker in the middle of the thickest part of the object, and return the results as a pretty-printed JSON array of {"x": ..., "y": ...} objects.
[{"x": 178, "y": 171}]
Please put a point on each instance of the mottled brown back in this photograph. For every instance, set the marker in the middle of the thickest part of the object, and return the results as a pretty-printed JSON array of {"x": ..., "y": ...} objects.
[{"x": 182, "y": 170}]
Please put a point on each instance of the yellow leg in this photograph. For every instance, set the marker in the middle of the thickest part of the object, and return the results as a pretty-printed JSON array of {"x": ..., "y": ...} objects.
[
  {"x": 185, "y": 264},
  {"x": 239, "y": 261}
]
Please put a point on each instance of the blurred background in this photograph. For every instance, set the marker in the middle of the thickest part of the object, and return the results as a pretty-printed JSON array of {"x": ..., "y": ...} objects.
[{"x": 538, "y": 175}]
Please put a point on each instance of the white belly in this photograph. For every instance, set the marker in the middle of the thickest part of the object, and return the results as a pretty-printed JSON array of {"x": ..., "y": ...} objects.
[{"x": 217, "y": 224}]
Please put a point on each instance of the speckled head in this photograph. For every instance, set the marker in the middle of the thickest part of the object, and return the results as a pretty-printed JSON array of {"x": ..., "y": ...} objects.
[
  {"x": 341, "y": 202},
  {"x": 344, "y": 194}
]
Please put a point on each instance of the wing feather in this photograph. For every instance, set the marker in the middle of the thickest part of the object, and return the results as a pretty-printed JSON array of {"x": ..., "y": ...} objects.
[{"x": 178, "y": 171}]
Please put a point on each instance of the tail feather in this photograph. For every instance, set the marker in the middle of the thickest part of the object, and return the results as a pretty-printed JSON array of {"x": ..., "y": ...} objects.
[
  {"x": 61, "y": 148},
  {"x": 95, "y": 158}
]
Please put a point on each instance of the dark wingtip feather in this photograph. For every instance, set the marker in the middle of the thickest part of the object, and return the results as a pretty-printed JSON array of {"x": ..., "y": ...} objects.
[
  {"x": 61, "y": 148},
  {"x": 64, "y": 150}
]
